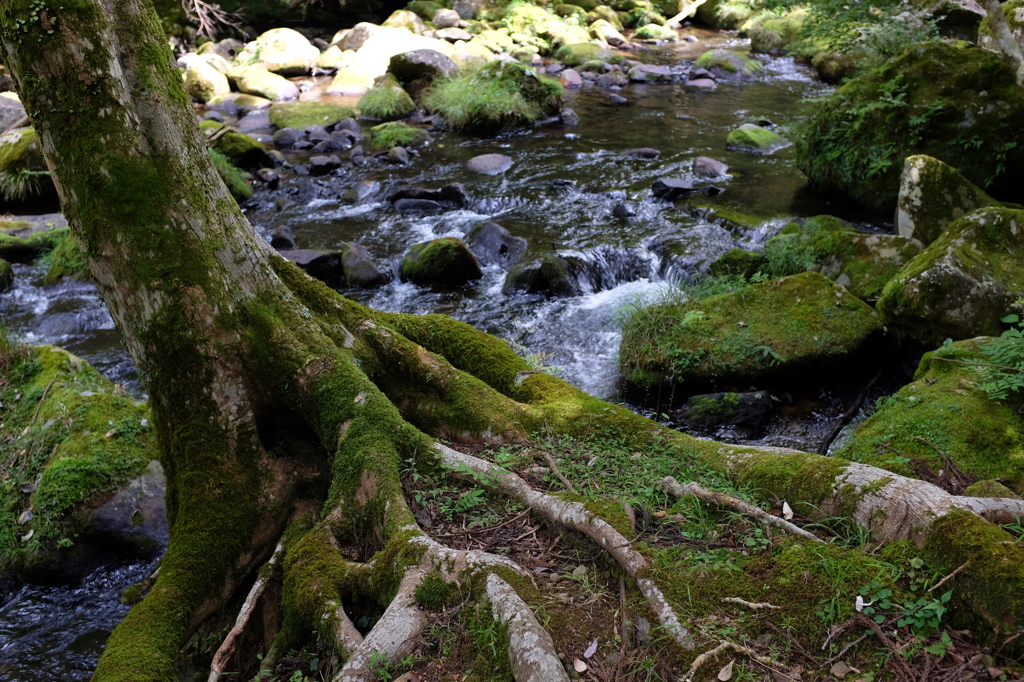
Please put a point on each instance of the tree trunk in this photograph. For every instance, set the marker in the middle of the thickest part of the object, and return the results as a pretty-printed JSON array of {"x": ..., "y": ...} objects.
[
  {"x": 1008, "y": 45},
  {"x": 280, "y": 403}
]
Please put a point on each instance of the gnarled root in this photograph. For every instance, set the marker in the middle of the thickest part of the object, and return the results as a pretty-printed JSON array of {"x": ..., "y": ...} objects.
[
  {"x": 530, "y": 648},
  {"x": 577, "y": 517}
]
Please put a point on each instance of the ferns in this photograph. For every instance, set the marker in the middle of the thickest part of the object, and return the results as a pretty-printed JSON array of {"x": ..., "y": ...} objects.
[{"x": 1003, "y": 374}]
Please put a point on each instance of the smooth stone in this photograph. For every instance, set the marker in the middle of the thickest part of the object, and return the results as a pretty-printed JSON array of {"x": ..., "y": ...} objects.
[{"x": 489, "y": 164}]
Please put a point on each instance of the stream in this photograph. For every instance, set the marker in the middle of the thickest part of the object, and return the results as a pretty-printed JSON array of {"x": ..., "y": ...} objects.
[{"x": 559, "y": 194}]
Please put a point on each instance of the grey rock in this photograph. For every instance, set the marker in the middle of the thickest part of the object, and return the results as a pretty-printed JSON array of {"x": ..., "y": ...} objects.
[
  {"x": 492, "y": 244},
  {"x": 361, "y": 269},
  {"x": 418, "y": 206},
  {"x": 642, "y": 153},
  {"x": 446, "y": 18},
  {"x": 489, "y": 164},
  {"x": 283, "y": 239},
  {"x": 705, "y": 167},
  {"x": 416, "y": 64},
  {"x": 323, "y": 265}
]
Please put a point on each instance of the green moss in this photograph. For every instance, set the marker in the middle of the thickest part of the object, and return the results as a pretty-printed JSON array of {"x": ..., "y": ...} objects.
[
  {"x": 773, "y": 32},
  {"x": 66, "y": 259},
  {"x": 397, "y": 134},
  {"x": 233, "y": 176},
  {"x": 445, "y": 261},
  {"x": 434, "y": 594},
  {"x": 239, "y": 148},
  {"x": 580, "y": 53},
  {"x": 655, "y": 31},
  {"x": 704, "y": 411},
  {"x": 753, "y": 138},
  {"x": 386, "y": 100},
  {"x": 743, "y": 337},
  {"x": 942, "y": 417},
  {"x": 300, "y": 115},
  {"x": 497, "y": 95}
]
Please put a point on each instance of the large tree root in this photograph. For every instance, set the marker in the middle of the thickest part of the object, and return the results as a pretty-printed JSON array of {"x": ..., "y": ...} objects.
[
  {"x": 575, "y": 516},
  {"x": 530, "y": 648}
]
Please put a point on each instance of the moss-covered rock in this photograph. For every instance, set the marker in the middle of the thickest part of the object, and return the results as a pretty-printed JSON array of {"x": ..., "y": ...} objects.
[
  {"x": 397, "y": 134},
  {"x": 606, "y": 13},
  {"x": 239, "y": 148},
  {"x": 281, "y": 50},
  {"x": 755, "y": 139},
  {"x": 70, "y": 440},
  {"x": 441, "y": 262},
  {"x": 988, "y": 488},
  {"x": 655, "y": 32},
  {"x": 551, "y": 275},
  {"x": 65, "y": 259},
  {"x": 786, "y": 326},
  {"x": 387, "y": 100},
  {"x": 535, "y": 25},
  {"x": 773, "y": 33},
  {"x": 940, "y": 416},
  {"x": 729, "y": 64},
  {"x": 737, "y": 263},
  {"x": 638, "y": 17},
  {"x": 725, "y": 14},
  {"x": 580, "y": 53},
  {"x": 300, "y": 115},
  {"x": 499, "y": 94},
  {"x": 23, "y": 173},
  {"x": 961, "y": 106},
  {"x": 863, "y": 263},
  {"x": 963, "y": 283},
  {"x": 933, "y": 195},
  {"x": 203, "y": 82},
  {"x": 403, "y": 18}
]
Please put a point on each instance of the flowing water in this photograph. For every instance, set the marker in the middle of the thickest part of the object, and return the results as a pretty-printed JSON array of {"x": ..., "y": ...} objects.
[{"x": 559, "y": 195}]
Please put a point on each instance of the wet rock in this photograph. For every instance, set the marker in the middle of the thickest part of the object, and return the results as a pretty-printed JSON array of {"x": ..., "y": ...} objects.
[
  {"x": 933, "y": 195},
  {"x": 416, "y": 64},
  {"x": 361, "y": 269},
  {"x": 286, "y": 137},
  {"x": 283, "y": 51},
  {"x": 361, "y": 191},
  {"x": 722, "y": 63},
  {"x": 445, "y": 262},
  {"x": 569, "y": 117},
  {"x": 670, "y": 189},
  {"x": 323, "y": 265},
  {"x": 604, "y": 30},
  {"x": 453, "y": 194},
  {"x": 617, "y": 99},
  {"x": 551, "y": 275},
  {"x": 623, "y": 210},
  {"x": 203, "y": 81},
  {"x": 418, "y": 206},
  {"x": 446, "y": 18},
  {"x": 704, "y": 167},
  {"x": 612, "y": 79},
  {"x": 737, "y": 262},
  {"x": 321, "y": 165},
  {"x": 720, "y": 409},
  {"x": 398, "y": 156},
  {"x": 642, "y": 153},
  {"x": 492, "y": 244},
  {"x": 489, "y": 164},
  {"x": 283, "y": 239},
  {"x": 570, "y": 78},
  {"x": 136, "y": 515},
  {"x": 256, "y": 80},
  {"x": 755, "y": 139},
  {"x": 963, "y": 283},
  {"x": 403, "y": 18}
]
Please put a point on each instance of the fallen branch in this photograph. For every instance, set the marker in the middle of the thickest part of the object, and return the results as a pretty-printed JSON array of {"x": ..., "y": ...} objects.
[
  {"x": 739, "y": 648},
  {"x": 674, "y": 488},
  {"x": 751, "y": 605},
  {"x": 948, "y": 577},
  {"x": 530, "y": 648},
  {"x": 227, "y": 647},
  {"x": 577, "y": 517}
]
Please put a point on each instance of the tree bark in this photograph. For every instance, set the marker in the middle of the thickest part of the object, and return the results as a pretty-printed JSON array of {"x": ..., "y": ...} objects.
[{"x": 1008, "y": 45}]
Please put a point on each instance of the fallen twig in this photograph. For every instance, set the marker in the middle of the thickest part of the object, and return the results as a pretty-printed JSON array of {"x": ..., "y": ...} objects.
[
  {"x": 739, "y": 648},
  {"x": 673, "y": 487},
  {"x": 557, "y": 473},
  {"x": 845, "y": 418},
  {"x": 948, "y": 577}
]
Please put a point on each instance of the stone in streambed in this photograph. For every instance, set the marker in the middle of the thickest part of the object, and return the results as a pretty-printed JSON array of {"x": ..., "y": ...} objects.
[
  {"x": 489, "y": 164},
  {"x": 445, "y": 262}
]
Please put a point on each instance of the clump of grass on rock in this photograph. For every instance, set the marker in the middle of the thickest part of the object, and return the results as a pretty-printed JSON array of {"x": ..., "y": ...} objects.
[
  {"x": 495, "y": 96},
  {"x": 396, "y": 134},
  {"x": 387, "y": 101}
]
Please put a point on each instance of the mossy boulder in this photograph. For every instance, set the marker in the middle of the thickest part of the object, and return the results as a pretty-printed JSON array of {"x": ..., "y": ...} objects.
[
  {"x": 580, "y": 53},
  {"x": 962, "y": 284},
  {"x": 71, "y": 440},
  {"x": 23, "y": 242},
  {"x": 606, "y": 13},
  {"x": 737, "y": 263},
  {"x": 428, "y": 65},
  {"x": 6, "y": 275},
  {"x": 257, "y": 80},
  {"x": 755, "y": 139},
  {"x": 773, "y": 33},
  {"x": 403, "y": 18},
  {"x": 361, "y": 269},
  {"x": 239, "y": 148},
  {"x": 655, "y": 32},
  {"x": 942, "y": 417},
  {"x": 776, "y": 330},
  {"x": 550, "y": 275},
  {"x": 397, "y": 134},
  {"x": 281, "y": 50},
  {"x": 203, "y": 82},
  {"x": 22, "y": 167},
  {"x": 445, "y": 262},
  {"x": 721, "y": 409},
  {"x": 387, "y": 100},
  {"x": 301, "y": 115},
  {"x": 988, "y": 488},
  {"x": 499, "y": 94},
  {"x": 933, "y": 195},
  {"x": 961, "y": 106},
  {"x": 727, "y": 64},
  {"x": 548, "y": 30},
  {"x": 725, "y": 14},
  {"x": 863, "y": 263}
]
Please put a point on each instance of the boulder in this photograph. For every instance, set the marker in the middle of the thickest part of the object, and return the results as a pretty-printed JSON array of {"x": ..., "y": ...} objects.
[
  {"x": 725, "y": 64},
  {"x": 453, "y": 35},
  {"x": 445, "y": 262},
  {"x": 654, "y": 31},
  {"x": 11, "y": 111},
  {"x": 489, "y": 164},
  {"x": 238, "y": 104},
  {"x": 492, "y": 244},
  {"x": 21, "y": 156},
  {"x": 241, "y": 150},
  {"x": 671, "y": 189},
  {"x": 651, "y": 73},
  {"x": 426, "y": 64},
  {"x": 940, "y": 418},
  {"x": 226, "y": 49},
  {"x": 579, "y": 53},
  {"x": 606, "y": 31},
  {"x": 453, "y": 195},
  {"x": 257, "y": 80},
  {"x": 962, "y": 284},
  {"x": 755, "y": 139},
  {"x": 774, "y": 331},
  {"x": 773, "y": 33},
  {"x": 551, "y": 275},
  {"x": 403, "y": 18},
  {"x": 301, "y": 115},
  {"x": 282, "y": 51},
  {"x": 961, "y": 106},
  {"x": 361, "y": 269},
  {"x": 605, "y": 13},
  {"x": 446, "y": 18},
  {"x": 737, "y": 263},
  {"x": 323, "y": 265},
  {"x": 933, "y": 195}
]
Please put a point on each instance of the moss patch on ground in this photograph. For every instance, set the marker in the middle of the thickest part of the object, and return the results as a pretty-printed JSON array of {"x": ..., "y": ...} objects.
[{"x": 794, "y": 323}]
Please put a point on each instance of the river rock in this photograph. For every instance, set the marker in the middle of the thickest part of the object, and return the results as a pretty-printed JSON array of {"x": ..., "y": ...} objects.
[
  {"x": 774, "y": 331},
  {"x": 453, "y": 194},
  {"x": 360, "y": 192},
  {"x": 963, "y": 283},
  {"x": 933, "y": 195},
  {"x": 580, "y": 53},
  {"x": 301, "y": 115},
  {"x": 605, "y": 13},
  {"x": 361, "y": 269},
  {"x": 418, "y": 206},
  {"x": 702, "y": 83},
  {"x": 670, "y": 189},
  {"x": 551, "y": 275},
  {"x": 492, "y": 244},
  {"x": 283, "y": 51},
  {"x": 11, "y": 111},
  {"x": 203, "y": 82},
  {"x": 283, "y": 238},
  {"x": 642, "y": 153},
  {"x": 241, "y": 150},
  {"x": 445, "y": 262},
  {"x": 651, "y": 73},
  {"x": 570, "y": 78},
  {"x": 605, "y": 31},
  {"x": 983, "y": 438},
  {"x": 755, "y": 139},
  {"x": 323, "y": 265},
  {"x": 655, "y": 32},
  {"x": 374, "y": 46},
  {"x": 454, "y": 34},
  {"x": 569, "y": 117},
  {"x": 722, "y": 63},
  {"x": 623, "y": 210},
  {"x": 704, "y": 167},
  {"x": 416, "y": 64},
  {"x": 257, "y": 80},
  {"x": 398, "y": 156},
  {"x": 323, "y": 164},
  {"x": 489, "y": 164},
  {"x": 286, "y": 137},
  {"x": 238, "y": 103},
  {"x": 403, "y": 18},
  {"x": 227, "y": 49},
  {"x": 720, "y": 409},
  {"x": 446, "y": 18}
]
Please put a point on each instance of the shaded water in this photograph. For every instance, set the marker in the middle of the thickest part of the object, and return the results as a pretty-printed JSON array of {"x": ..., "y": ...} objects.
[{"x": 559, "y": 195}]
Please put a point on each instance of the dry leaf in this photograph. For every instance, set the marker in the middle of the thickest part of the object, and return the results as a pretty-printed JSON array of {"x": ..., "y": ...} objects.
[
  {"x": 591, "y": 650},
  {"x": 840, "y": 670},
  {"x": 787, "y": 511},
  {"x": 579, "y": 666},
  {"x": 726, "y": 672}
]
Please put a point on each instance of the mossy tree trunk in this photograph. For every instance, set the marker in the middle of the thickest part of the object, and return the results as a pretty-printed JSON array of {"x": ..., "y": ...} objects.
[
  {"x": 280, "y": 403},
  {"x": 1005, "y": 39}
]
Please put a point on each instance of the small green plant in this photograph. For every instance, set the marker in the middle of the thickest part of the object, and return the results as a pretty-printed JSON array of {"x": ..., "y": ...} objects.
[
  {"x": 1003, "y": 374},
  {"x": 387, "y": 101},
  {"x": 397, "y": 134},
  {"x": 923, "y": 615},
  {"x": 23, "y": 184}
]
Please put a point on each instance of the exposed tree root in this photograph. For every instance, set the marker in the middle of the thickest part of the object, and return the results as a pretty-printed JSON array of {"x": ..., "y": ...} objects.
[
  {"x": 674, "y": 488},
  {"x": 707, "y": 655},
  {"x": 530, "y": 649},
  {"x": 575, "y": 516}
]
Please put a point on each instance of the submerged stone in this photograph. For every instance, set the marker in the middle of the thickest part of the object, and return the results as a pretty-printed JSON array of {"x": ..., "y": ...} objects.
[
  {"x": 753, "y": 138},
  {"x": 489, "y": 164},
  {"x": 718, "y": 409}
]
